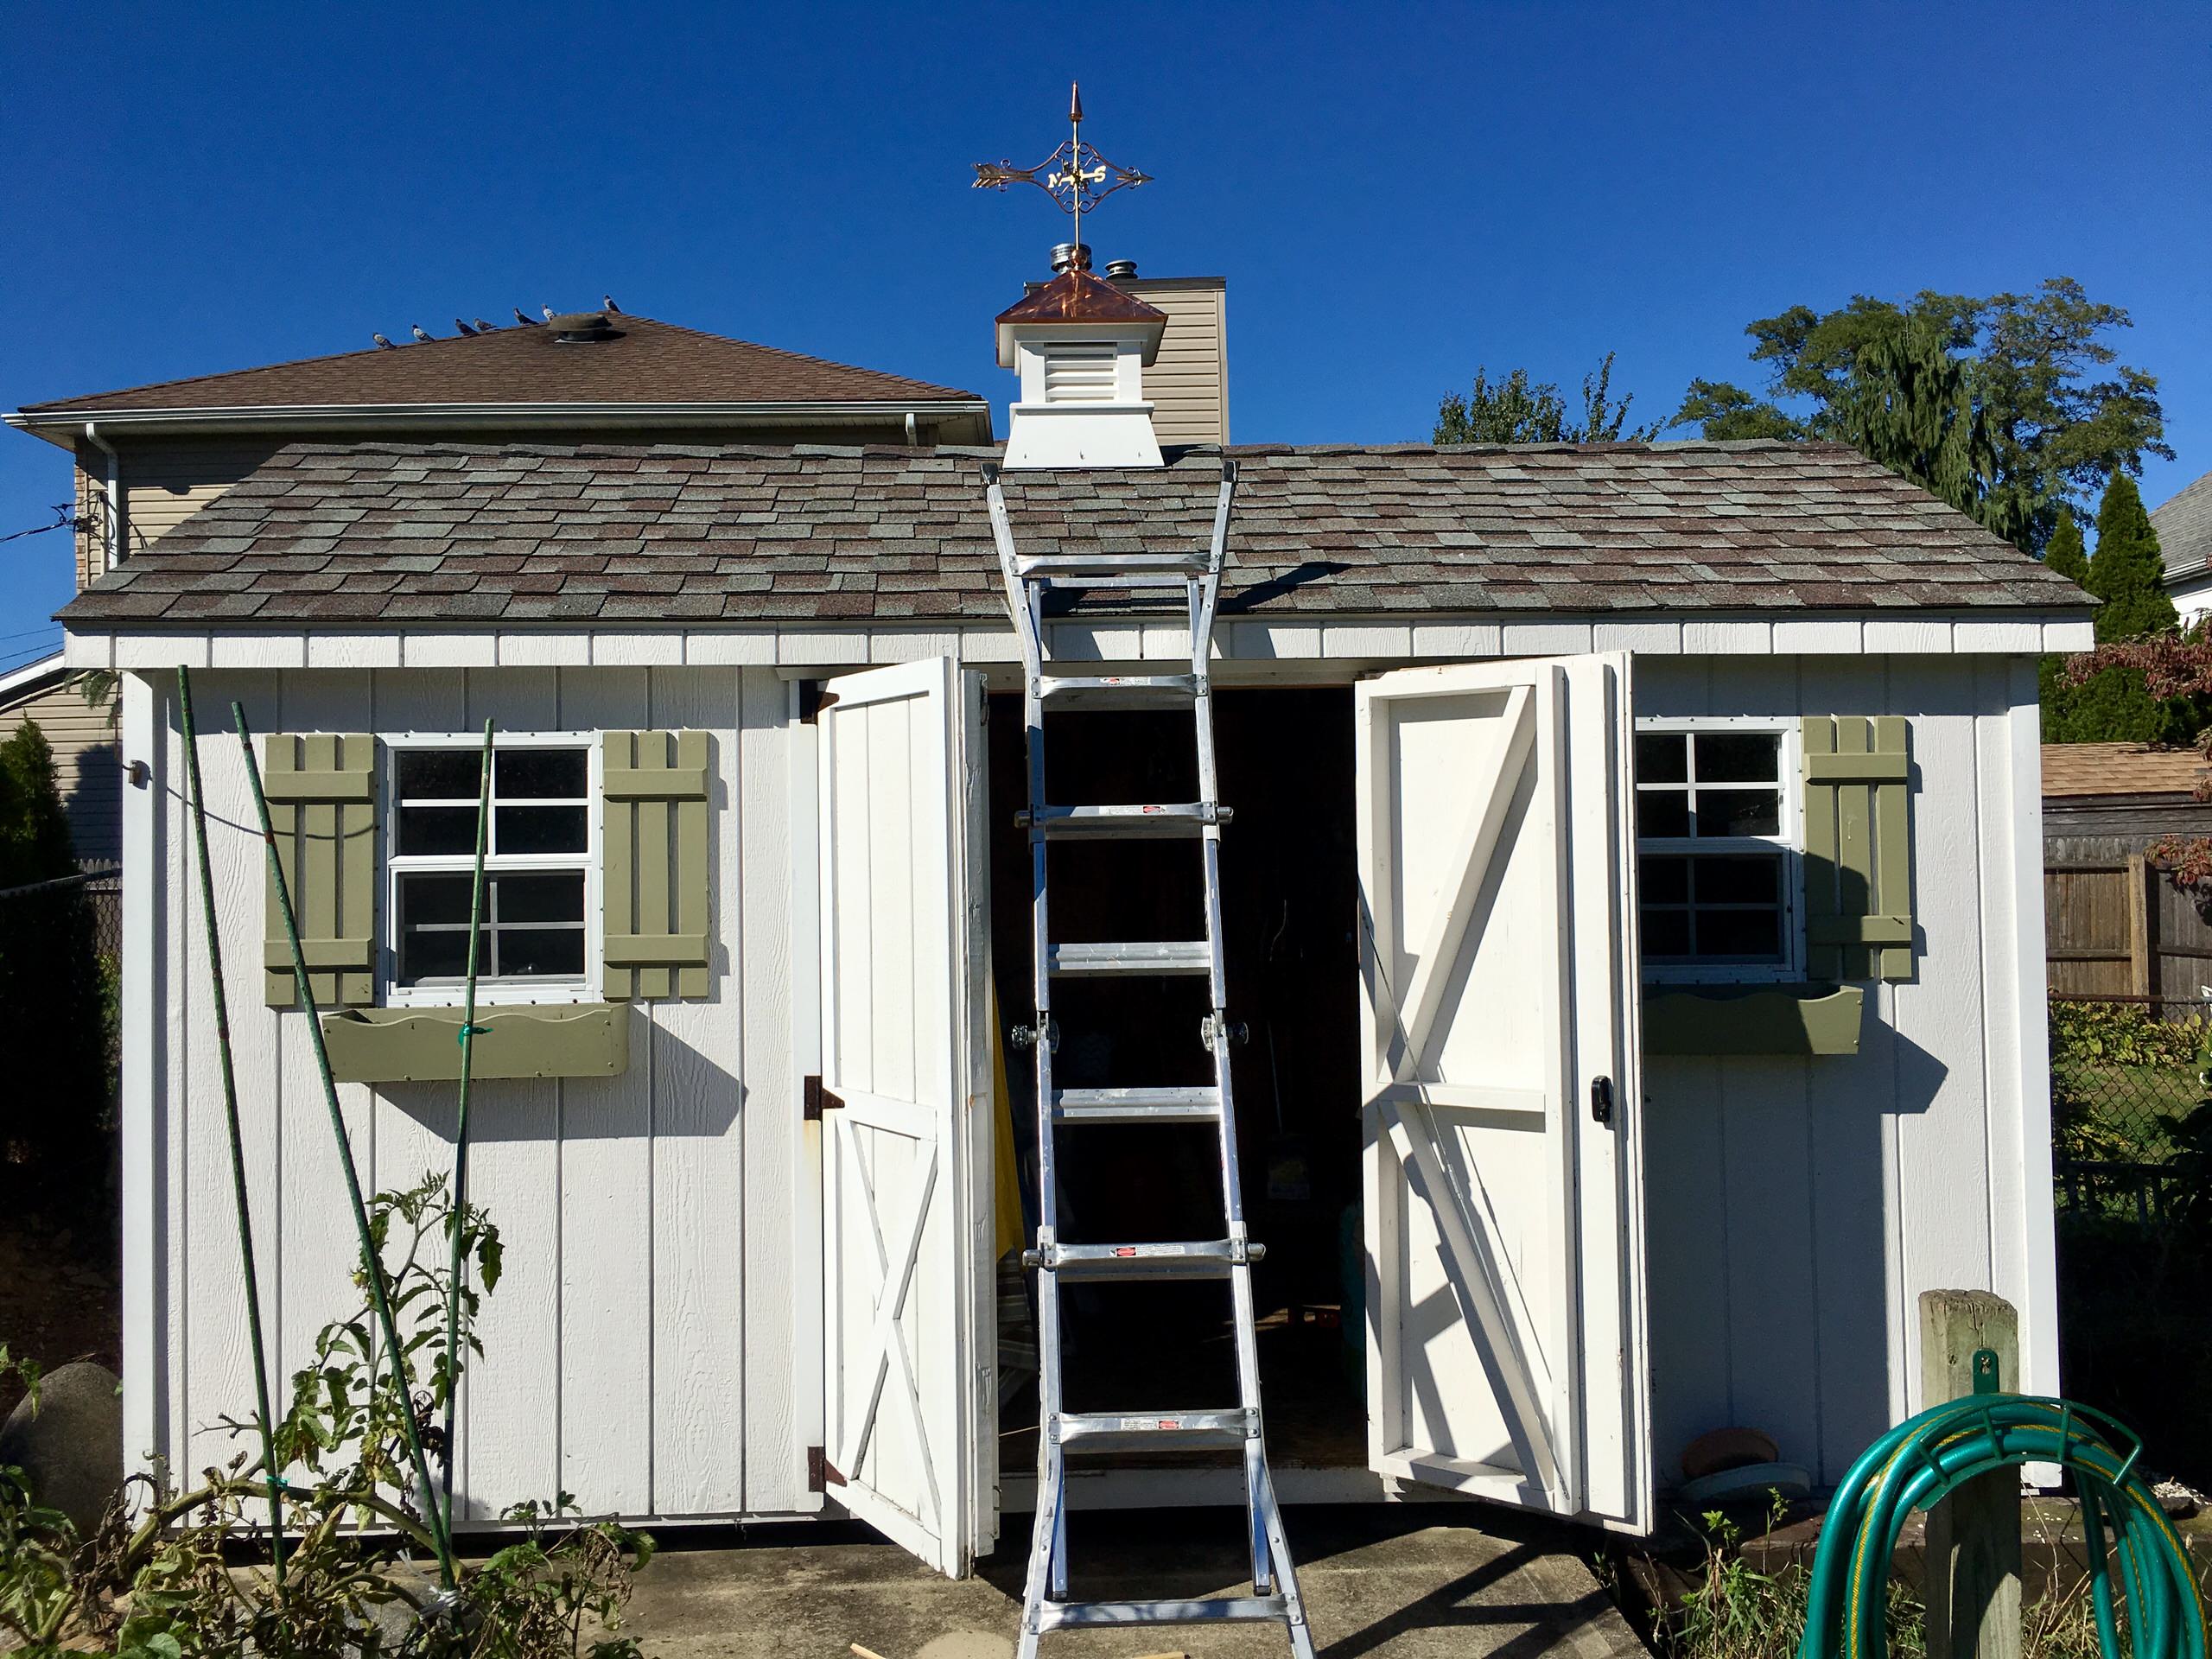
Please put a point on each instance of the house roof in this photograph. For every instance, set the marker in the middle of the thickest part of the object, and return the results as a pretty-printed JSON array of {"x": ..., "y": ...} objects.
[
  {"x": 645, "y": 363},
  {"x": 369, "y": 534},
  {"x": 2078, "y": 769},
  {"x": 2185, "y": 529}
]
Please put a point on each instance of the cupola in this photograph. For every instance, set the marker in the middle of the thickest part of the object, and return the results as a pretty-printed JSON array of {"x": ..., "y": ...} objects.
[{"x": 1081, "y": 347}]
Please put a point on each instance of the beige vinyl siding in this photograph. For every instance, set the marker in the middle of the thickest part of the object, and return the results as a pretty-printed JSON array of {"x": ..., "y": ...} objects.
[
  {"x": 86, "y": 764},
  {"x": 91, "y": 484},
  {"x": 1188, "y": 387}
]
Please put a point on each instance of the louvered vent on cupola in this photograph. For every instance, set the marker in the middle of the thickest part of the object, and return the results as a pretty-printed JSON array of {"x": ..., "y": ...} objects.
[{"x": 1081, "y": 347}]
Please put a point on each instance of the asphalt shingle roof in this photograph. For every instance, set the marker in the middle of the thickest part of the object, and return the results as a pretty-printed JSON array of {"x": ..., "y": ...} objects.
[
  {"x": 650, "y": 362},
  {"x": 411, "y": 534},
  {"x": 2184, "y": 528}
]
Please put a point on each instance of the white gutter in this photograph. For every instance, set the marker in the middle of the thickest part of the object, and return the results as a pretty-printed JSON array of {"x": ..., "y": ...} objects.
[
  {"x": 417, "y": 417},
  {"x": 113, "y": 516}
]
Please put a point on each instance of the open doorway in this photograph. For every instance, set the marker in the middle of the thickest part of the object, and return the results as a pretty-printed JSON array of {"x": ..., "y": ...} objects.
[{"x": 1289, "y": 897}]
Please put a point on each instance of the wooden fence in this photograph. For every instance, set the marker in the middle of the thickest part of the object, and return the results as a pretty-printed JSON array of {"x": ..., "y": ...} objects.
[{"x": 2115, "y": 927}]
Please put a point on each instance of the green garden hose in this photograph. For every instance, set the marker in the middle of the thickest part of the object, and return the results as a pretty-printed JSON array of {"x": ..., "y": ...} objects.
[{"x": 1924, "y": 1458}]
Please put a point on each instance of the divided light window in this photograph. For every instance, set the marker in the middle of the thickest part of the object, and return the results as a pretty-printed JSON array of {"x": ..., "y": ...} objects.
[
  {"x": 1717, "y": 850},
  {"x": 539, "y": 868}
]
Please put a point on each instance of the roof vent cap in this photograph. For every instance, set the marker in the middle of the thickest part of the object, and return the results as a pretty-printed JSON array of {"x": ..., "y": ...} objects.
[
  {"x": 1118, "y": 271},
  {"x": 580, "y": 327}
]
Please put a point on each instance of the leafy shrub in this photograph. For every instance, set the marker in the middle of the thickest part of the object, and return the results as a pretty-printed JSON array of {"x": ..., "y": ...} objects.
[{"x": 155, "y": 1581}]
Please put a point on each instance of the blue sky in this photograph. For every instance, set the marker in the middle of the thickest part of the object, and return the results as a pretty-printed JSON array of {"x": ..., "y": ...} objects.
[{"x": 1396, "y": 195}]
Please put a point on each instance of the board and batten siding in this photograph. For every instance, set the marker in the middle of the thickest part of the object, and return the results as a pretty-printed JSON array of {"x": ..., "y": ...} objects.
[
  {"x": 1797, "y": 1207},
  {"x": 647, "y": 1347}
]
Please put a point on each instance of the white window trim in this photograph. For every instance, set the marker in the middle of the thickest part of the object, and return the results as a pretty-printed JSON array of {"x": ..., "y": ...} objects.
[
  {"x": 493, "y": 993},
  {"x": 1789, "y": 842}
]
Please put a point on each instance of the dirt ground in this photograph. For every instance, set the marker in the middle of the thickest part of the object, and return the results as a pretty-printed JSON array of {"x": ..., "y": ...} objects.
[{"x": 60, "y": 1287}]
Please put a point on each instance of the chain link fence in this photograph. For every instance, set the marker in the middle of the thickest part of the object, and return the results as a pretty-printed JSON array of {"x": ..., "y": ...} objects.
[
  {"x": 48, "y": 929},
  {"x": 2128, "y": 1107}
]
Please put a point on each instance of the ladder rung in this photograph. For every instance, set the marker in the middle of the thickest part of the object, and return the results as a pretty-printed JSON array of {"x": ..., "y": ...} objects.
[
  {"x": 1112, "y": 691},
  {"x": 1146, "y": 956},
  {"x": 1131, "y": 822},
  {"x": 1179, "y": 565},
  {"x": 1198, "y": 1259},
  {"x": 1191, "y": 1103},
  {"x": 1158, "y": 1431},
  {"x": 1064, "y": 1615}
]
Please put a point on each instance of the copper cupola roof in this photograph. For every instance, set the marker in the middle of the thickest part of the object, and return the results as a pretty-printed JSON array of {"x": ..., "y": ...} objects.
[{"x": 1077, "y": 298}]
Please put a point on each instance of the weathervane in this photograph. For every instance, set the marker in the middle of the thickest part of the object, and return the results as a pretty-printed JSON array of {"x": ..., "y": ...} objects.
[{"x": 1077, "y": 169}]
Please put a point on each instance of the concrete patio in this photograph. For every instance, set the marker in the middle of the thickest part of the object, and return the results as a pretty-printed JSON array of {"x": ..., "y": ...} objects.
[{"x": 1392, "y": 1584}]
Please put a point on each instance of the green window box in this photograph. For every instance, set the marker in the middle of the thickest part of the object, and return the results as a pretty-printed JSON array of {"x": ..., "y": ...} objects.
[
  {"x": 1781, "y": 1019},
  {"x": 570, "y": 1039}
]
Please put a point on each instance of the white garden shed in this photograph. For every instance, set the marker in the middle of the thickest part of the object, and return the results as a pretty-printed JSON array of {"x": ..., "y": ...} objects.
[{"x": 1729, "y": 751}]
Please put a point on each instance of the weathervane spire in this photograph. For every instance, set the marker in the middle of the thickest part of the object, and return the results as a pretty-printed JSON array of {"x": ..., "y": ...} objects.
[{"x": 1072, "y": 175}]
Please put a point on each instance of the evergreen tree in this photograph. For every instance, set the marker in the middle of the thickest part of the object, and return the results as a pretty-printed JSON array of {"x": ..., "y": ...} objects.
[
  {"x": 2066, "y": 554},
  {"x": 55, "y": 1110},
  {"x": 2128, "y": 573}
]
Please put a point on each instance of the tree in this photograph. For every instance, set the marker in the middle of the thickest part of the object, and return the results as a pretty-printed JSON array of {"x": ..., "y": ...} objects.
[
  {"x": 2128, "y": 575},
  {"x": 53, "y": 1004},
  {"x": 2065, "y": 553},
  {"x": 1907, "y": 405},
  {"x": 1513, "y": 411},
  {"x": 2036, "y": 370}
]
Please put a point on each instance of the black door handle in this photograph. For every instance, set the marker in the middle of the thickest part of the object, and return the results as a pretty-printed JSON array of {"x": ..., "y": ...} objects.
[{"x": 1601, "y": 1100}]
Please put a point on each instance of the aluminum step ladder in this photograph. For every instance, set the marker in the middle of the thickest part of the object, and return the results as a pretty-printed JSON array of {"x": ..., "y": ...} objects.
[{"x": 1196, "y": 578}]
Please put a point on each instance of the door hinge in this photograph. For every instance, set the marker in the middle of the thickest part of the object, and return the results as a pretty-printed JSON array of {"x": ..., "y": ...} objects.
[
  {"x": 814, "y": 695},
  {"x": 818, "y": 1470},
  {"x": 1601, "y": 1100},
  {"x": 815, "y": 1100}
]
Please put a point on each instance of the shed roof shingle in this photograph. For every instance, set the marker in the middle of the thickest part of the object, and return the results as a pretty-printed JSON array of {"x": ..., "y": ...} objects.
[
  {"x": 650, "y": 362},
  {"x": 379, "y": 534}
]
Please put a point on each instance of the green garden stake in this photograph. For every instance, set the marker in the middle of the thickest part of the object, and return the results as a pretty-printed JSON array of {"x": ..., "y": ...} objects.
[
  {"x": 467, "y": 1038},
  {"x": 238, "y": 1141}
]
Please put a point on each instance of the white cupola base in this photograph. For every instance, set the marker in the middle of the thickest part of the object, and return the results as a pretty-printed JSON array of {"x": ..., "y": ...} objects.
[{"x": 1080, "y": 346}]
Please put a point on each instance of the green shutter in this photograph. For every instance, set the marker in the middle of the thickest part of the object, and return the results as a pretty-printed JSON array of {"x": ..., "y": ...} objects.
[
  {"x": 323, "y": 805},
  {"x": 658, "y": 938},
  {"x": 1857, "y": 854}
]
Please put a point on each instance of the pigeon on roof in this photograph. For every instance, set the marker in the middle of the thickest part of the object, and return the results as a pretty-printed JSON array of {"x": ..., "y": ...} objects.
[
  {"x": 483, "y": 327},
  {"x": 382, "y": 341},
  {"x": 606, "y": 304},
  {"x": 464, "y": 327},
  {"x": 419, "y": 332},
  {"x": 548, "y": 310},
  {"x": 527, "y": 323}
]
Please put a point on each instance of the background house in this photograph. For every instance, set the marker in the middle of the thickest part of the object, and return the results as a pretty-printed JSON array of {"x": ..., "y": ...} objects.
[
  {"x": 2183, "y": 523},
  {"x": 82, "y": 735}
]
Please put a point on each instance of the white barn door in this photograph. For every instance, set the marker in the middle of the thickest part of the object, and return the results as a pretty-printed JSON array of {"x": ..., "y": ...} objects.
[
  {"x": 1506, "y": 1355},
  {"x": 908, "y": 1344}
]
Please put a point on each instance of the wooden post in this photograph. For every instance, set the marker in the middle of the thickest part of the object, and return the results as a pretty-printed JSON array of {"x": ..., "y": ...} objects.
[
  {"x": 2142, "y": 961},
  {"x": 1973, "y": 1536}
]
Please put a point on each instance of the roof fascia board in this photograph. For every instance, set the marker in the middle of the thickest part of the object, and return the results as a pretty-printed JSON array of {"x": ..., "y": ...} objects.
[
  {"x": 60, "y": 427},
  {"x": 1312, "y": 637},
  {"x": 32, "y": 678}
]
